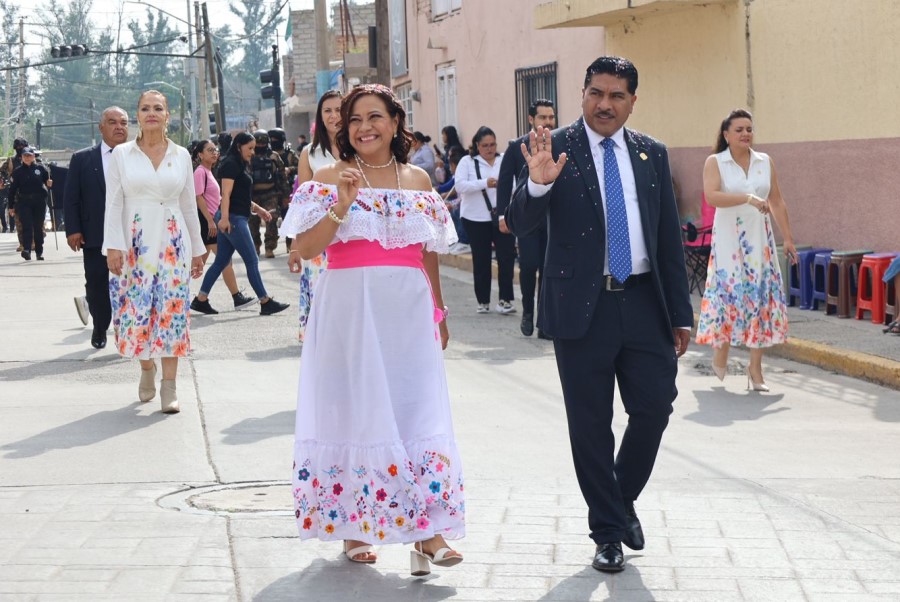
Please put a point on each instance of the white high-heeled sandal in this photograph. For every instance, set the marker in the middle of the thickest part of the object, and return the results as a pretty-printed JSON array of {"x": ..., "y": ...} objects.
[
  {"x": 352, "y": 553},
  {"x": 419, "y": 559}
]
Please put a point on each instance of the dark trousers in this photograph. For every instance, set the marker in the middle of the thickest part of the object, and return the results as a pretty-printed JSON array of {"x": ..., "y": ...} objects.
[
  {"x": 96, "y": 287},
  {"x": 481, "y": 236},
  {"x": 4, "y": 195},
  {"x": 532, "y": 249},
  {"x": 627, "y": 343},
  {"x": 31, "y": 210}
]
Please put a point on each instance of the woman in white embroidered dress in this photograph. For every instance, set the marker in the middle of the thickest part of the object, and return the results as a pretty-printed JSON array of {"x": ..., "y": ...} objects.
[
  {"x": 313, "y": 157},
  {"x": 153, "y": 248},
  {"x": 375, "y": 459}
]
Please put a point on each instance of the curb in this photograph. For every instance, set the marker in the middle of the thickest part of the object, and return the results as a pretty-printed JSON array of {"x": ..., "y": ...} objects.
[{"x": 855, "y": 364}]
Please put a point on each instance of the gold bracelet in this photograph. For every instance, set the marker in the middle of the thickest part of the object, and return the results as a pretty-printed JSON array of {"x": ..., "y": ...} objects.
[
  {"x": 334, "y": 216},
  {"x": 293, "y": 251}
]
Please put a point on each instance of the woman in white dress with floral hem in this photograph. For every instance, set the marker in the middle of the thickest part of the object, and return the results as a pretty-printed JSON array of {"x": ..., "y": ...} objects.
[
  {"x": 153, "y": 248},
  {"x": 375, "y": 458}
]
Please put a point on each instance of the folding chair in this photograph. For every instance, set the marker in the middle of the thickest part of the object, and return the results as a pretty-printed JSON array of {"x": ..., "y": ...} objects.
[{"x": 697, "y": 247}]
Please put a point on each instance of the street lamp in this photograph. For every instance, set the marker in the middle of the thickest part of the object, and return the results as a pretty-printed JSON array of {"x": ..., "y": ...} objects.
[{"x": 181, "y": 94}]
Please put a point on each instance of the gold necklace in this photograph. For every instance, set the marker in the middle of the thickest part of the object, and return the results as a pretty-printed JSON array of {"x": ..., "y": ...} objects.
[
  {"x": 388, "y": 164},
  {"x": 360, "y": 163}
]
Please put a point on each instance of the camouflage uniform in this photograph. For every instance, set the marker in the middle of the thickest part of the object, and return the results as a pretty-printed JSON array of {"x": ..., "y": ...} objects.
[
  {"x": 269, "y": 189},
  {"x": 277, "y": 139},
  {"x": 9, "y": 165}
]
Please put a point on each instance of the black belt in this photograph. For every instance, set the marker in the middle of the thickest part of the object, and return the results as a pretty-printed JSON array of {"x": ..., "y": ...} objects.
[{"x": 611, "y": 284}]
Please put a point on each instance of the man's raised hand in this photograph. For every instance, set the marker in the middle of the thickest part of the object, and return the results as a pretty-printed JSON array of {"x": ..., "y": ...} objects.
[{"x": 542, "y": 169}]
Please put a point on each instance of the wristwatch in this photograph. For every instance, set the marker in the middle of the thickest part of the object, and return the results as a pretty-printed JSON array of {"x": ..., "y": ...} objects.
[{"x": 445, "y": 311}]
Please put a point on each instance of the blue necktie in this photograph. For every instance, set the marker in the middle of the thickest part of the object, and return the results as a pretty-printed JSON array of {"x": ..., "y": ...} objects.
[{"x": 617, "y": 239}]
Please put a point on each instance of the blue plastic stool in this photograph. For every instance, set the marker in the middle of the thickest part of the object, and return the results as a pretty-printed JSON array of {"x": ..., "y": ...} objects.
[
  {"x": 800, "y": 277},
  {"x": 819, "y": 293}
]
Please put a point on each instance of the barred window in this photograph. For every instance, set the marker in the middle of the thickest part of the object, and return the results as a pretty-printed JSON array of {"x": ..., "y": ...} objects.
[{"x": 533, "y": 83}]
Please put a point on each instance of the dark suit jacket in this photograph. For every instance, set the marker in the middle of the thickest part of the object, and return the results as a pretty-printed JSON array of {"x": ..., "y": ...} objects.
[
  {"x": 573, "y": 210},
  {"x": 85, "y": 196},
  {"x": 510, "y": 169}
]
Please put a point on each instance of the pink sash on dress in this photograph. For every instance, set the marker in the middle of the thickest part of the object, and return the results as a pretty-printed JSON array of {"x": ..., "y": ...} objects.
[{"x": 365, "y": 253}]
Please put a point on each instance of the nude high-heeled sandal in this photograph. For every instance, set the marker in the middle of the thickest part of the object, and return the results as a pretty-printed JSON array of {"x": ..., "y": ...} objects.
[
  {"x": 147, "y": 386},
  {"x": 352, "y": 553},
  {"x": 169, "y": 397},
  {"x": 419, "y": 559}
]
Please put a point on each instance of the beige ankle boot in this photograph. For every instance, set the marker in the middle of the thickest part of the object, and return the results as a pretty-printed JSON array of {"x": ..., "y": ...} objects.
[
  {"x": 147, "y": 387},
  {"x": 169, "y": 398}
]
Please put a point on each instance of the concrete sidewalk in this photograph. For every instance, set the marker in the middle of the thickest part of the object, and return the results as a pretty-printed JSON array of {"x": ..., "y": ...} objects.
[
  {"x": 856, "y": 348},
  {"x": 786, "y": 496}
]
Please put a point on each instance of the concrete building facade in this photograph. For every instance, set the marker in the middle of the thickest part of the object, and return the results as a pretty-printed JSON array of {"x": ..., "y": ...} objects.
[
  {"x": 819, "y": 77},
  {"x": 464, "y": 58}
]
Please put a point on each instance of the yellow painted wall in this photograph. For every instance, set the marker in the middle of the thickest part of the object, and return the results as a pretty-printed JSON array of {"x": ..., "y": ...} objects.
[{"x": 821, "y": 69}]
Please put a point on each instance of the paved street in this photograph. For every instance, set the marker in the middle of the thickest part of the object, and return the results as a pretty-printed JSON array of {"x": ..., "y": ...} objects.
[{"x": 792, "y": 495}]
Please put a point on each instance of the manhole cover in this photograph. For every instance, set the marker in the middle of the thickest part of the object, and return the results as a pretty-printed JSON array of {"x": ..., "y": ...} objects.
[{"x": 267, "y": 498}]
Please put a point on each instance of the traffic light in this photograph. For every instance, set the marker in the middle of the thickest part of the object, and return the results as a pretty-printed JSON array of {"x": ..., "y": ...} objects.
[
  {"x": 212, "y": 123},
  {"x": 270, "y": 80},
  {"x": 64, "y": 51}
]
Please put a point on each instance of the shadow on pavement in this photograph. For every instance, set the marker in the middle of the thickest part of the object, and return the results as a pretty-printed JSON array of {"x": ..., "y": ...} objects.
[
  {"x": 339, "y": 580},
  {"x": 264, "y": 355},
  {"x": 64, "y": 364},
  {"x": 252, "y": 430},
  {"x": 86, "y": 431},
  {"x": 719, "y": 407},
  {"x": 625, "y": 586}
]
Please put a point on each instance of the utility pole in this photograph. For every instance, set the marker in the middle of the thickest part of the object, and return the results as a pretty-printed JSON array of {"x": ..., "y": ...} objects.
[
  {"x": 201, "y": 77},
  {"x": 193, "y": 72},
  {"x": 6, "y": 143},
  {"x": 323, "y": 68},
  {"x": 383, "y": 52},
  {"x": 93, "y": 130},
  {"x": 20, "y": 119},
  {"x": 210, "y": 63}
]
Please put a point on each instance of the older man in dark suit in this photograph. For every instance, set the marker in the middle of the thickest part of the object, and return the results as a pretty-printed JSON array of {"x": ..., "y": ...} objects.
[
  {"x": 85, "y": 206},
  {"x": 615, "y": 296}
]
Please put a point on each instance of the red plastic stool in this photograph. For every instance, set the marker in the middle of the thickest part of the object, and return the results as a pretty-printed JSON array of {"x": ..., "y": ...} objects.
[
  {"x": 870, "y": 289},
  {"x": 840, "y": 284}
]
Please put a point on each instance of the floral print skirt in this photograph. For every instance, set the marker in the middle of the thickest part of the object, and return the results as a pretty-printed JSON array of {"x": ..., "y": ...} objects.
[
  {"x": 375, "y": 459},
  {"x": 309, "y": 274},
  {"x": 151, "y": 299},
  {"x": 744, "y": 300}
]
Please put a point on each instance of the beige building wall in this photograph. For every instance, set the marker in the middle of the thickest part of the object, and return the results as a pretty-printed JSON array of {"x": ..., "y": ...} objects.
[
  {"x": 821, "y": 81},
  {"x": 487, "y": 41}
]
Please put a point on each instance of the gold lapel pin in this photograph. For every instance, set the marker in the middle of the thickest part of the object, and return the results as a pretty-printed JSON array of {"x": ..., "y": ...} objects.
[{"x": 643, "y": 156}]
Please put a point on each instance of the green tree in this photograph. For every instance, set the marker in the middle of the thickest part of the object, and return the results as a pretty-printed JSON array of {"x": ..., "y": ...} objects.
[
  {"x": 261, "y": 19},
  {"x": 9, "y": 15}
]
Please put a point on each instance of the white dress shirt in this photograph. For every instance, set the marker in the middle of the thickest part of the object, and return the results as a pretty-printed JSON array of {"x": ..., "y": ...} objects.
[
  {"x": 640, "y": 260},
  {"x": 105, "y": 151}
]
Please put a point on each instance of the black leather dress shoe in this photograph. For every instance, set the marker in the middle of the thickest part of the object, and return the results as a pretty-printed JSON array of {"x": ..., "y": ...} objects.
[
  {"x": 544, "y": 336},
  {"x": 98, "y": 339},
  {"x": 634, "y": 534},
  {"x": 609, "y": 558},
  {"x": 527, "y": 325}
]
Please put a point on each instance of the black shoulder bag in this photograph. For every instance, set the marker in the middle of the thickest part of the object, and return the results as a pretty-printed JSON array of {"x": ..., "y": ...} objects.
[{"x": 487, "y": 200}]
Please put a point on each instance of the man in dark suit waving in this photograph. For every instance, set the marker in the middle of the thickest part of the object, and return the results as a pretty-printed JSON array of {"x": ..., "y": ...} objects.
[
  {"x": 85, "y": 206},
  {"x": 614, "y": 297}
]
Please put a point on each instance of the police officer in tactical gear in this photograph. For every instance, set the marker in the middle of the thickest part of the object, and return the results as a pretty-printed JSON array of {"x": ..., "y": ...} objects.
[
  {"x": 269, "y": 188},
  {"x": 278, "y": 142}
]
